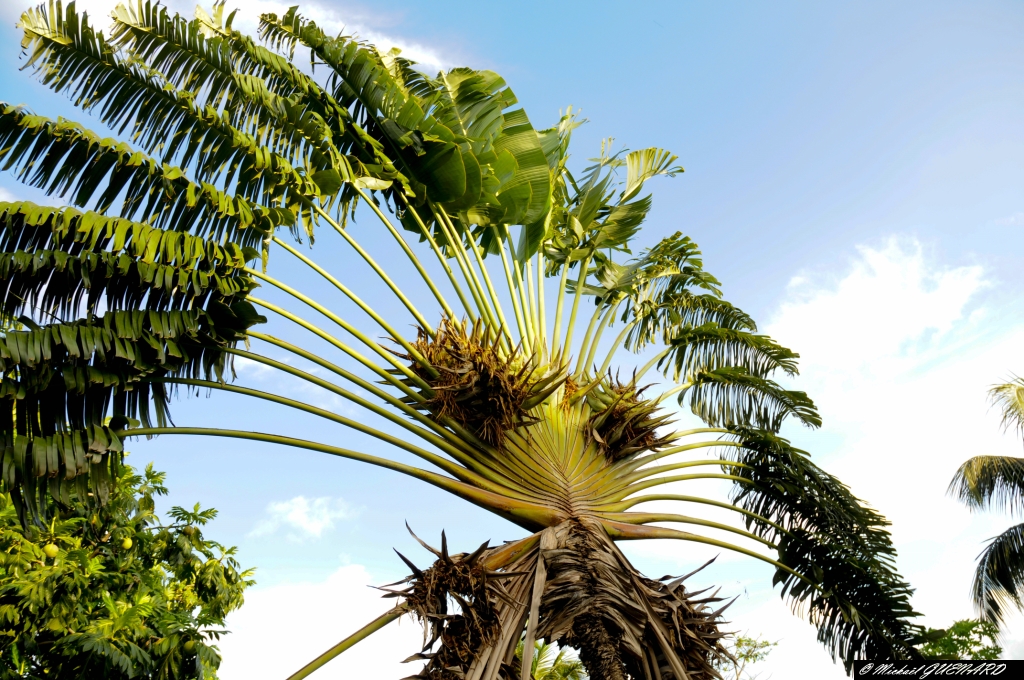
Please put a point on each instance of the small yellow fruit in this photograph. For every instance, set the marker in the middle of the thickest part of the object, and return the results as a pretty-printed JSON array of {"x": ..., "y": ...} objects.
[
  {"x": 189, "y": 646},
  {"x": 126, "y": 543},
  {"x": 50, "y": 550}
]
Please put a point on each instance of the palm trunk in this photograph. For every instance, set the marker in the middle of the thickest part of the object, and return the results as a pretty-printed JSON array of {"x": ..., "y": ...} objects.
[
  {"x": 598, "y": 650},
  {"x": 591, "y": 598},
  {"x": 583, "y": 578}
]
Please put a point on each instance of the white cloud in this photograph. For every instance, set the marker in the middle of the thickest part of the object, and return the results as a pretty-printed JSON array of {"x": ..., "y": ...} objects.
[
  {"x": 283, "y": 627},
  {"x": 898, "y": 352},
  {"x": 252, "y": 369},
  {"x": 1015, "y": 220},
  {"x": 306, "y": 517},
  {"x": 7, "y": 195},
  {"x": 331, "y": 20}
]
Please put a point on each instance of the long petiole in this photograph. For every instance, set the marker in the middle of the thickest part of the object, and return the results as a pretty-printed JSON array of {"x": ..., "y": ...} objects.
[
  {"x": 361, "y": 634},
  {"x": 650, "y": 517},
  {"x": 413, "y": 352},
  {"x": 334, "y": 341},
  {"x": 527, "y": 515},
  {"x": 650, "y": 364},
  {"x": 627, "y": 504},
  {"x": 668, "y": 393},
  {"x": 615, "y": 346},
  {"x": 581, "y": 361},
  {"x": 440, "y": 258},
  {"x": 640, "y": 486},
  {"x": 531, "y": 293},
  {"x": 514, "y": 294},
  {"x": 380, "y": 351},
  {"x": 650, "y": 472},
  {"x": 556, "y": 332},
  {"x": 542, "y": 321},
  {"x": 408, "y": 252},
  {"x": 599, "y": 375},
  {"x": 373, "y": 265},
  {"x": 640, "y": 461},
  {"x": 415, "y": 397},
  {"x": 462, "y": 258},
  {"x": 609, "y": 319},
  {"x": 580, "y": 282},
  {"x": 435, "y": 434},
  {"x": 451, "y": 468},
  {"x": 487, "y": 279},
  {"x": 520, "y": 288},
  {"x": 623, "y": 531}
]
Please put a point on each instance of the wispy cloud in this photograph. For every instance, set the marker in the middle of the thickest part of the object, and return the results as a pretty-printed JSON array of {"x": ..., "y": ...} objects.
[
  {"x": 328, "y": 611},
  {"x": 1014, "y": 220},
  {"x": 333, "y": 22},
  {"x": 898, "y": 351},
  {"x": 304, "y": 518}
]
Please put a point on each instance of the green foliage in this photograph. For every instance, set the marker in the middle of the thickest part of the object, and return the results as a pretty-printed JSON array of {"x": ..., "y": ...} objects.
[
  {"x": 552, "y": 662},
  {"x": 124, "y": 597},
  {"x": 745, "y": 651},
  {"x": 965, "y": 639},
  {"x": 840, "y": 547},
  {"x": 223, "y": 145}
]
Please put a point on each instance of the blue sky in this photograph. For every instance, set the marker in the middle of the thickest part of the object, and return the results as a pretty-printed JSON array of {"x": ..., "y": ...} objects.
[{"x": 854, "y": 176}]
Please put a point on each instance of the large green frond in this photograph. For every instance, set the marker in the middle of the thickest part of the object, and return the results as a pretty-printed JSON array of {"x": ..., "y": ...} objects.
[
  {"x": 68, "y": 386},
  {"x": 849, "y": 587},
  {"x": 990, "y": 481},
  {"x": 54, "y": 259},
  {"x": 999, "y": 579},
  {"x": 359, "y": 79},
  {"x": 732, "y": 396},
  {"x": 64, "y": 159},
  {"x": 709, "y": 347},
  {"x": 1009, "y": 398}
]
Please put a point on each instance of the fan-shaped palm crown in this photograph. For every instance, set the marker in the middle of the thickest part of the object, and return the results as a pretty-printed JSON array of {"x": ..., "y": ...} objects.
[{"x": 147, "y": 280}]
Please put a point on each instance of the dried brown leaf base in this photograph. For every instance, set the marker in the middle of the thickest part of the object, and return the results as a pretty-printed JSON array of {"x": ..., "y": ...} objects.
[{"x": 475, "y": 608}]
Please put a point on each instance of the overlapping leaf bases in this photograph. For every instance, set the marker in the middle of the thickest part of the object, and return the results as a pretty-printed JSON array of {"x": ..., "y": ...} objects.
[
  {"x": 146, "y": 276},
  {"x": 589, "y": 597},
  {"x": 472, "y": 624}
]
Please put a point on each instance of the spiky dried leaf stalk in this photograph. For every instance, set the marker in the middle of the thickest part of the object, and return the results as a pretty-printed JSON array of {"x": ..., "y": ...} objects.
[
  {"x": 476, "y": 383},
  {"x": 587, "y": 596}
]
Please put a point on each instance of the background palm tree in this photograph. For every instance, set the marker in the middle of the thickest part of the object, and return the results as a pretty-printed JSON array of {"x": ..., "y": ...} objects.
[
  {"x": 550, "y": 662},
  {"x": 146, "y": 283},
  {"x": 985, "y": 482}
]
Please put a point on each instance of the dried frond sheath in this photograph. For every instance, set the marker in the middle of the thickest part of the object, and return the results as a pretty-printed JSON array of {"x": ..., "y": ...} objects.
[{"x": 463, "y": 634}]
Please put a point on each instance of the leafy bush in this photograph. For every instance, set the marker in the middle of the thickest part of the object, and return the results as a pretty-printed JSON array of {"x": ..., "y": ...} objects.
[
  {"x": 110, "y": 592},
  {"x": 966, "y": 639}
]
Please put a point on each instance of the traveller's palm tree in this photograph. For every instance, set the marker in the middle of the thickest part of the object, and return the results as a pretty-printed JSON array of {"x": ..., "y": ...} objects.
[
  {"x": 147, "y": 282},
  {"x": 998, "y": 481}
]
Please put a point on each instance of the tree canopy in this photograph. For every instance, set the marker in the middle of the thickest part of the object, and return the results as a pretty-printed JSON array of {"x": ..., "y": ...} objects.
[
  {"x": 153, "y": 274},
  {"x": 965, "y": 639},
  {"x": 109, "y": 591}
]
